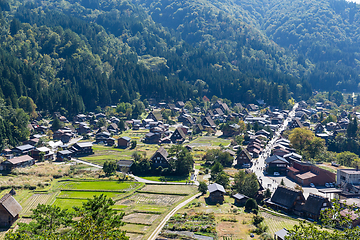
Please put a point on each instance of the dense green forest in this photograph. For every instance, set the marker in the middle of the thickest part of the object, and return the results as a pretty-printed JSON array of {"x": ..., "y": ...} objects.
[{"x": 77, "y": 55}]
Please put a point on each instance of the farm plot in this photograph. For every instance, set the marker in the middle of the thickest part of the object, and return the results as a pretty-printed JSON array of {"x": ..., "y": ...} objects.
[
  {"x": 140, "y": 218},
  {"x": 100, "y": 185},
  {"x": 276, "y": 223},
  {"x": 135, "y": 228},
  {"x": 87, "y": 194},
  {"x": 179, "y": 189},
  {"x": 208, "y": 141},
  {"x": 68, "y": 203},
  {"x": 151, "y": 199},
  {"x": 33, "y": 201},
  {"x": 134, "y": 236}
]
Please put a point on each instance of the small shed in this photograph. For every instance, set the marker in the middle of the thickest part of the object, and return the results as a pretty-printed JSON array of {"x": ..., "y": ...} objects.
[
  {"x": 124, "y": 142},
  {"x": 124, "y": 165},
  {"x": 9, "y": 210},
  {"x": 240, "y": 199},
  {"x": 216, "y": 192}
]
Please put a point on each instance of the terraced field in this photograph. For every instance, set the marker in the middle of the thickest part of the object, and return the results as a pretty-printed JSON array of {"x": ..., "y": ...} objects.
[{"x": 33, "y": 201}]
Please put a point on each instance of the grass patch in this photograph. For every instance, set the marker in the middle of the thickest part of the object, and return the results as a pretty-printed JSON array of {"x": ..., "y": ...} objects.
[
  {"x": 69, "y": 203},
  {"x": 135, "y": 228},
  {"x": 100, "y": 185},
  {"x": 149, "y": 208},
  {"x": 85, "y": 195},
  {"x": 168, "y": 178}
]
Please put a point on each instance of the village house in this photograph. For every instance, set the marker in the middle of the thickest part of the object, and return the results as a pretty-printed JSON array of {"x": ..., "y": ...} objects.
[
  {"x": 23, "y": 149},
  {"x": 63, "y": 155},
  {"x": 295, "y": 123},
  {"x": 252, "y": 107},
  {"x": 178, "y": 135},
  {"x": 287, "y": 199},
  {"x": 9, "y": 210},
  {"x": 180, "y": 104},
  {"x": 32, "y": 141},
  {"x": 48, "y": 154},
  {"x": 207, "y": 122},
  {"x": 223, "y": 106},
  {"x": 160, "y": 158},
  {"x": 216, "y": 193},
  {"x": 124, "y": 142},
  {"x": 113, "y": 128},
  {"x": 314, "y": 205},
  {"x": 102, "y": 137},
  {"x": 22, "y": 161},
  {"x": 276, "y": 163},
  {"x": 332, "y": 126},
  {"x": 82, "y": 148},
  {"x": 152, "y": 138},
  {"x": 243, "y": 157},
  {"x": 155, "y": 115},
  {"x": 319, "y": 128}
]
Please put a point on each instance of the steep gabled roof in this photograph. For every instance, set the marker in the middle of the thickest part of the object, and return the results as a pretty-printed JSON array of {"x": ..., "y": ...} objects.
[
  {"x": 11, "y": 205},
  {"x": 162, "y": 151},
  {"x": 216, "y": 187},
  {"x": 285, "y": 196},
  {"x": 314, "y": 204}
]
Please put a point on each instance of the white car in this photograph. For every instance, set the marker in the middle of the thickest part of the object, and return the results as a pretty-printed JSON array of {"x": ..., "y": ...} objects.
[
  {"x": 312, "y": 185},
  {"x": 276, "y": 174},
  {"x": 327, "y": 185}
]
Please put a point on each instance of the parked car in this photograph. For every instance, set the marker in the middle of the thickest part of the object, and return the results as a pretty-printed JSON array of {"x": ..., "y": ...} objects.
[
  {"x": 276, "y": 174},
  {"x": 334, "y": 164},
  {"x": 332, "y": 184},
  {"x": 327, "y": 185},
  {"x": 312, "y": 185}
]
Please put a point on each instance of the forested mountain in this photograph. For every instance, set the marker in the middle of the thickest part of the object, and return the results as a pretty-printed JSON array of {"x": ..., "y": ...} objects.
[
  {"x": 80, "y": 54},
  {"x": 322, "y": 33}
]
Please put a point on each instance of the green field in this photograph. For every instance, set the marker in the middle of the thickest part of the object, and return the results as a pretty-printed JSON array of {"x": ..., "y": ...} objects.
[
  {"x": 68, "y": 203},
  {"x": 104, "y": 153},
  {"x": 210, "y": 141},
  {"x": 168, "y": 178},
  {"x": 85, "y": 195},
  {"x": 100, "y": 185}
]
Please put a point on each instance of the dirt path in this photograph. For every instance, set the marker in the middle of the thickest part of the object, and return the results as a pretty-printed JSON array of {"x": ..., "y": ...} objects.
[{"x": 167, "y": 217}]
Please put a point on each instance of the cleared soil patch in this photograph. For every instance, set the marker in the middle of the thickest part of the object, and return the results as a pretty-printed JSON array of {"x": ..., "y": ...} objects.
[
  {"x": 86, "y": 195},
  {"x": 135, "y": 228},
  {"x": 182, "y": 189},
  {"x": 100, "y": 185},
  {"x": 142, "y": 218},
  {"x": 151, "y": 199},
  {"x": 134, "y": 236},
  {"x": 33, "y": 201}
]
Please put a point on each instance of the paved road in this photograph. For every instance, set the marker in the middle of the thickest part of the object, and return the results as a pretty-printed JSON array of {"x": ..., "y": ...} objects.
[
  {"x": 259, "y": 166},
  {"x": 87, "y": 163},
  {"x": 163, "y": 222}
]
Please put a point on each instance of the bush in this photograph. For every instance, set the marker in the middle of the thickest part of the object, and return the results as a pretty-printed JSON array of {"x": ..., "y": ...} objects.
[{"x": 251, "y": 204}]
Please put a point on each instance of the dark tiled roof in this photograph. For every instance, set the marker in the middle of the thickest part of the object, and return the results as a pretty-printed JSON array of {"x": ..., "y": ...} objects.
[
  {"x": 285, "y": 196},
  {"x": 10, "y": 204},
  {"x": 274, "y": 158}
]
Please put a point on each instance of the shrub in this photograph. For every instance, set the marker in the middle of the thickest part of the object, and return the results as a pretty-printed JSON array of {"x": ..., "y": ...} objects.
[{"x": 251, "y": 204}]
